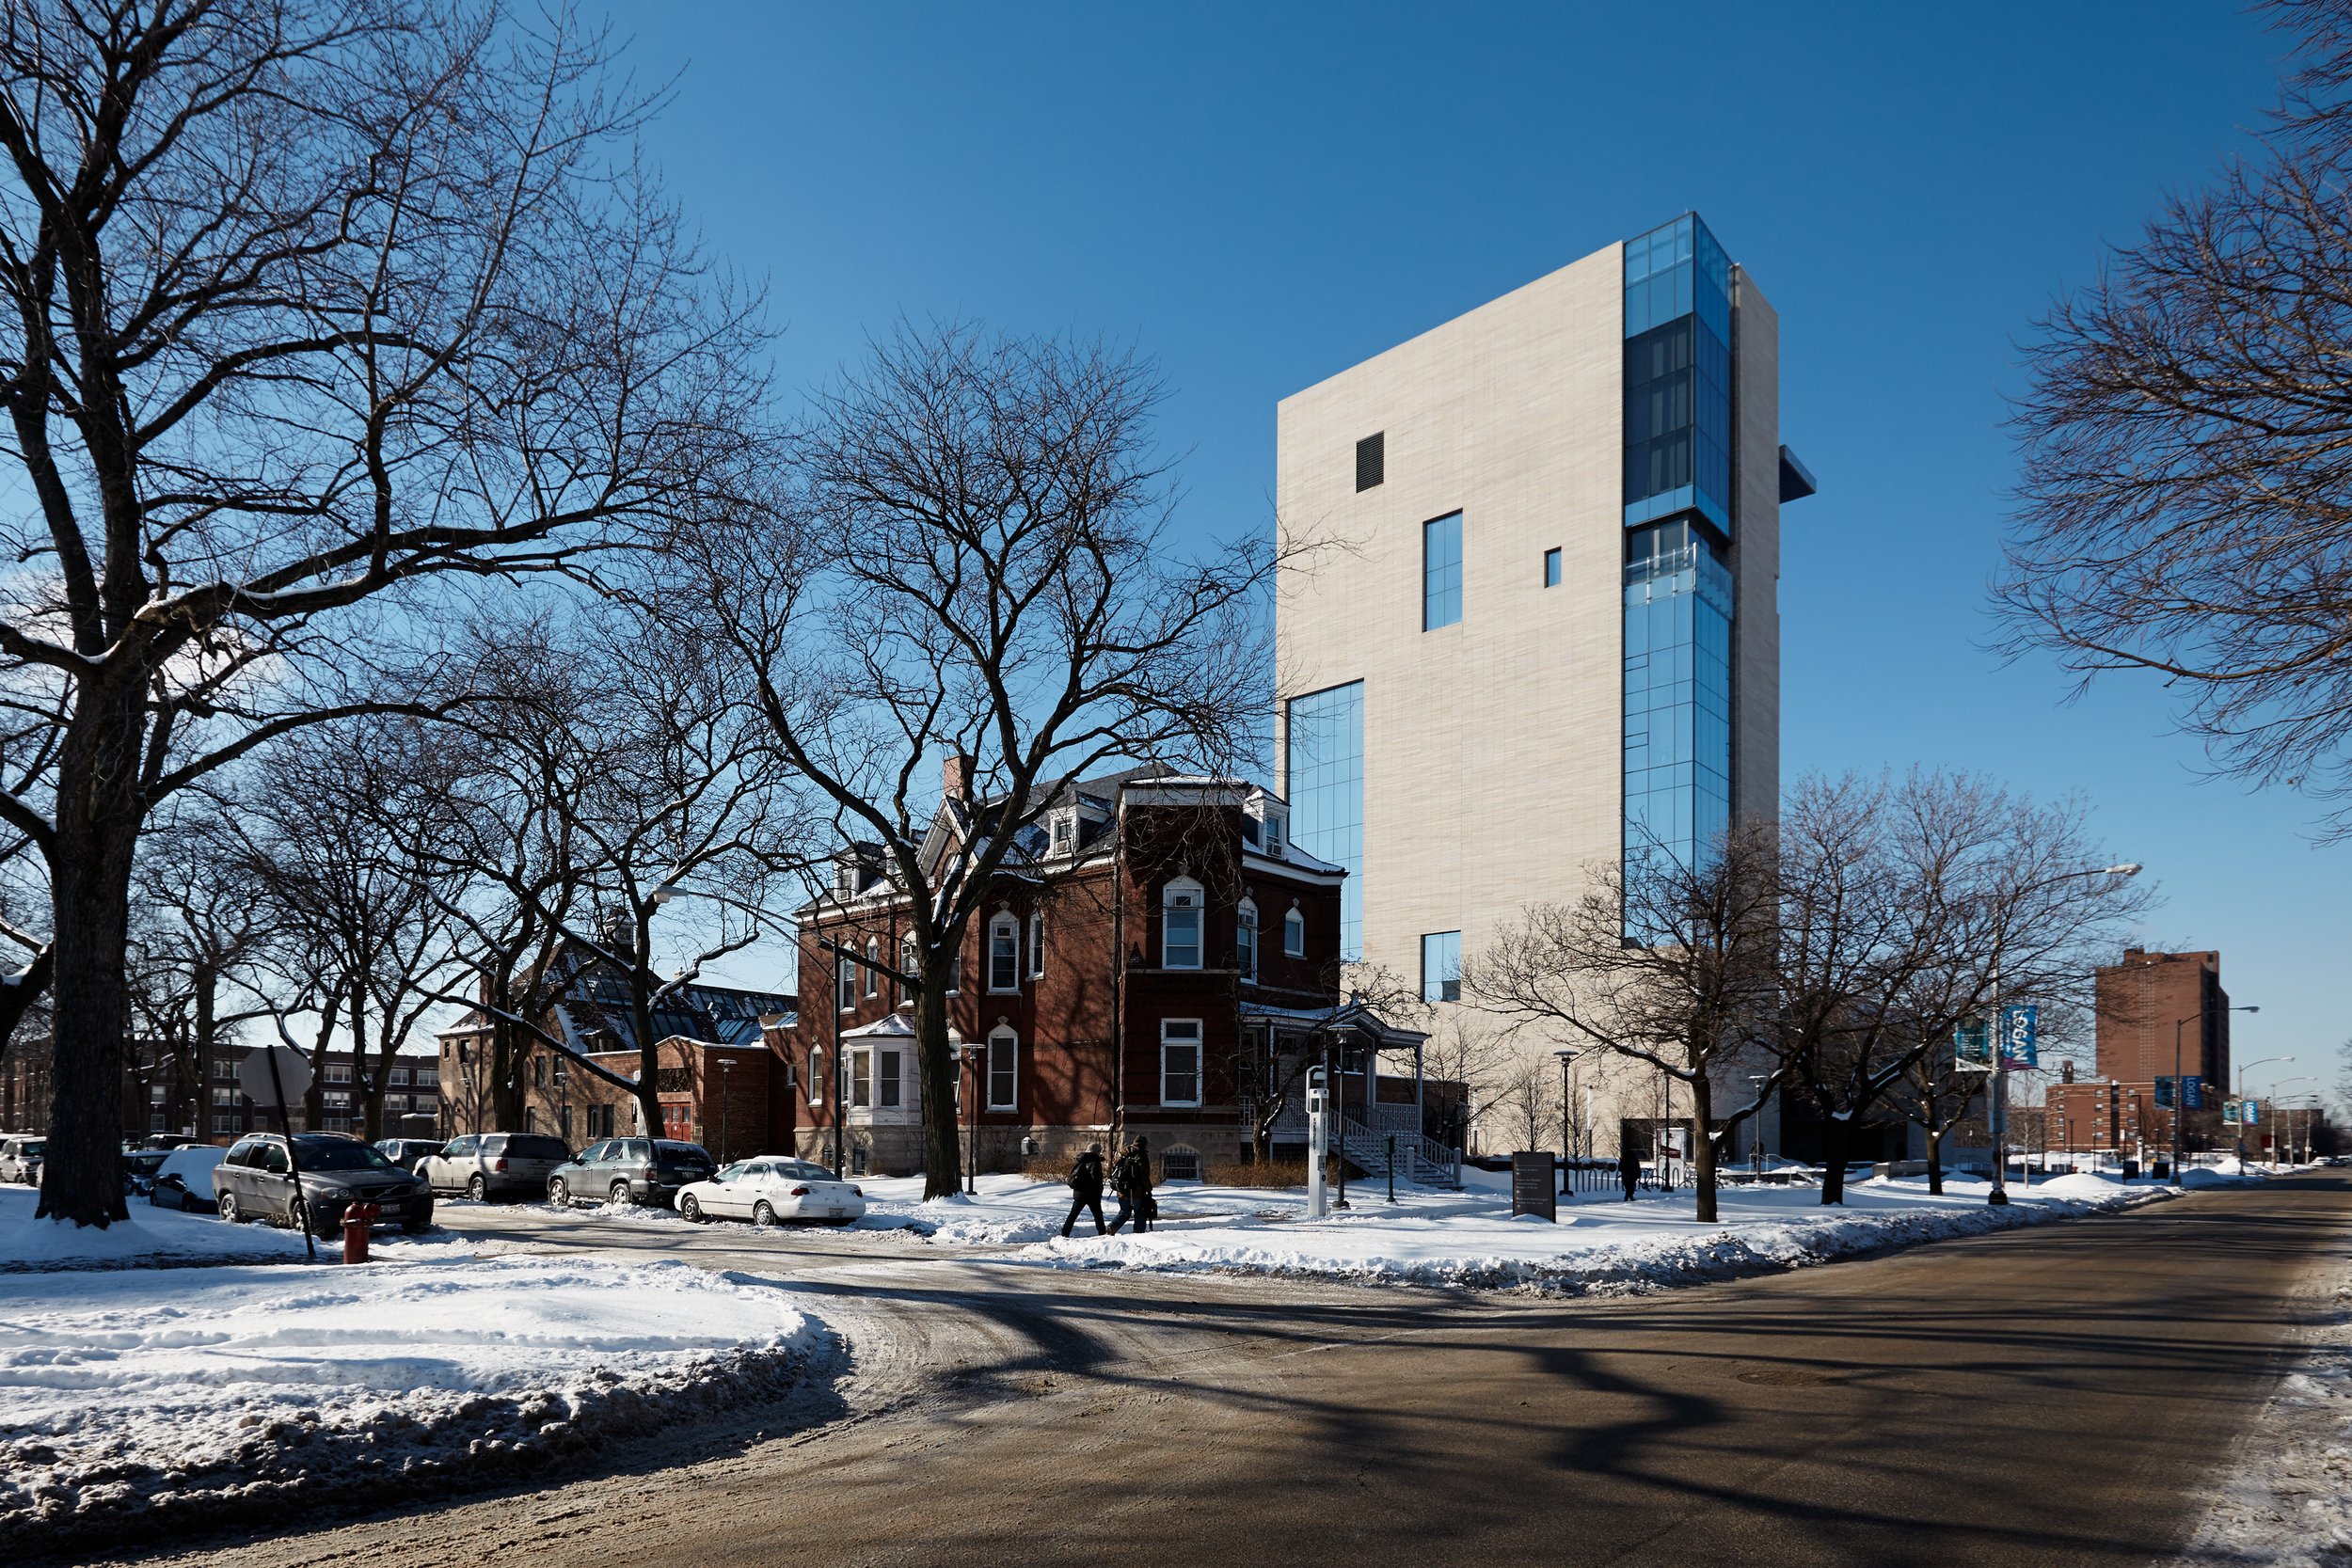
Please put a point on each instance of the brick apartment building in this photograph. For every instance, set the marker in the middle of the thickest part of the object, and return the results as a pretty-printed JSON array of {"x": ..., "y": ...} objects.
[
  {"x": 2142, "y": 1003},
  {"x": 167, "y": 1091},
  {"x": 718, "y": 1080},
  {"x": 1160, "y": 954}
]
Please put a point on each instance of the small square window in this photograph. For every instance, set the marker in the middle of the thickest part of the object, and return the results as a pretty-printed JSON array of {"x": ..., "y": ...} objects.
[
  {"x": 1372, "y": 460},
  {"x": 1552, "y": 568}
]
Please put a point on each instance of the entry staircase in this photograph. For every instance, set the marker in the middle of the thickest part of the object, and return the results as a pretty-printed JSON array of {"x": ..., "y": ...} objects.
[{"x": 1422, "y": 1161}]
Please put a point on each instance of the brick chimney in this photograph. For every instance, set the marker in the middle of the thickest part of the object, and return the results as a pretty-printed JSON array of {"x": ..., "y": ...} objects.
[{"x": 955, "y": 777}]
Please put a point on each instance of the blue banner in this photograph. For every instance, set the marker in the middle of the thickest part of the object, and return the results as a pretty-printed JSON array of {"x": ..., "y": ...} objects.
[
  {"x": 2193, "y": 1092},
  {"x": 2250, "y": 1112},
  {"x": 1972, "y": 1041},
  {"x": 2019, "y": 1033},
  {"x": 2164, "y": 1093}
]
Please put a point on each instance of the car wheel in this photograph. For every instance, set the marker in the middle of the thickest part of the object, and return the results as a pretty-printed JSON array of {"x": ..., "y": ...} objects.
[
  {"x": 560, "y": 1193},
  {"x": 231, "y": 1210},
  {"x": 690, "y": 1208},
  {"x": 763, "y": 1212},
  {"x": 621, "y": 1194},
  {"x": 415, "y": 1228},
  {"x": 298, "y": 1214},
  {"x": 478, "y": 1189}
]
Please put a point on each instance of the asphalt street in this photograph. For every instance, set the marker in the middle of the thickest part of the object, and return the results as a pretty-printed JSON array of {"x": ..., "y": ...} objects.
[{"x": 2056, "y": 1394}]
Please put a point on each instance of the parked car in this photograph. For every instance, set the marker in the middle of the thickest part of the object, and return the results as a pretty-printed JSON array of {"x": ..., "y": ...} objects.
[
  {"x": 140, "y": 1169},
  {"x": 184, "y": 1182},
  {"x": 20, "y": 1159},
  {"x": 629, "y": 1170},
  {"x": 406, "y": 1153},
  {"x": 493, "y": 1165},
  {"x": 167, "y": 1141},
  {"x": 254, "y": 1182},
  {"x": 772, "y": 1188}
]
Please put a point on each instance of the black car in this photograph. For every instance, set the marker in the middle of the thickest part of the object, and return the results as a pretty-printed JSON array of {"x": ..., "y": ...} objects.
[
  {"x": 256, "y": 1183},
  {"x": 140, "y": 1169}
]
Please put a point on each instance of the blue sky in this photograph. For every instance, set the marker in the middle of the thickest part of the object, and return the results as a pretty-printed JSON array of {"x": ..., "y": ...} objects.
[{"x": 1259, "y": 196}]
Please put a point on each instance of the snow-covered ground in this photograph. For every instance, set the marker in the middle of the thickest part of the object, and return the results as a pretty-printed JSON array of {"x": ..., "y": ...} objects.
[
  {"x": 151, "y": 1235},
  {"x": 1009, "y": 1210},
  {"x": 147, "y": 1395}
]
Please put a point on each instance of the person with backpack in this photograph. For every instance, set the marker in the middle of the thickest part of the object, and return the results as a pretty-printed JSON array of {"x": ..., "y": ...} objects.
[
  {"x": 1086, "y": 1189},
  {"x": 1131, "y": 1178},
  {"x": 1629, "y": 1169}
]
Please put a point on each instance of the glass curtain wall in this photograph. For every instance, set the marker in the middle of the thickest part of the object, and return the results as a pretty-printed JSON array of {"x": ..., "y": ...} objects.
[
  {"x": 1678, "y": 588},
  {"x": 1324, "y": 778}
]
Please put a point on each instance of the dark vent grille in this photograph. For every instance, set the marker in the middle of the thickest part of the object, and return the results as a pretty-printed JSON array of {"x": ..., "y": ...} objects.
[{"x": 1372, "y": 460}]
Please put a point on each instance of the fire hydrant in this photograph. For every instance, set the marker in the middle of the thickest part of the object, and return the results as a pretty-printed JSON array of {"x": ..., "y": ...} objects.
[{"x": 355, "y": 1222}]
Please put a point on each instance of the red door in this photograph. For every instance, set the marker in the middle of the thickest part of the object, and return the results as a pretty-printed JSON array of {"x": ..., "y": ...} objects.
[{"x": 677, "y": 1121}]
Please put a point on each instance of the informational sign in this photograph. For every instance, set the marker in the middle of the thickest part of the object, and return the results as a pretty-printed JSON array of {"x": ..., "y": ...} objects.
[
  {"x": 2193, "y": 1092},
  {"x": 2229, "y": 1113},
  {"x": 1318, "y": 1144},
  {"x": 271, "y": 1071},
  {"x": 2020, "y": 1035},
  {"x": 1532, "y": 1187},
  {"x": 1972, "y": 1043},
  {"x": 2250, "y": 1111},
  {"x": 2163, "y": 1094}
]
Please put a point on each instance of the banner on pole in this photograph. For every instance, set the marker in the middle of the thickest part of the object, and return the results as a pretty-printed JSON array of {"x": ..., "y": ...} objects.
[
  {"x": 1972, "y": 1043},
  {"x": 2020, "y": 1035},
  {"x": 2229, "y": 1113},
  {"x": 2163, "y": 1094},
  {"x": 2193, "y": 1093},
  {"x": 2250, "y": 1112}
]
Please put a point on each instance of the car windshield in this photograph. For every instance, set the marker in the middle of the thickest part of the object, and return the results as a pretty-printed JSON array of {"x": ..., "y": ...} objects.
[
  {"x": 522, "y": 1146},
  {"x": 800, "y": 1170},
  {"x": 146, "y": 1162},
  {"x": 339, "y": 1154},
  {"x": 733, "y": 1172},
  {"x": 33, "y": 1148}
]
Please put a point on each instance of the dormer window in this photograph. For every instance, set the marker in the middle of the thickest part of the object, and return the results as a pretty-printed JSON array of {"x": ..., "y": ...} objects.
[
  {"x": 1181, "y": 904},
  {"x": 1274, "y": 836},
  {"x": 1062, "y": 832},
  {"x": 845, "y": 880}
]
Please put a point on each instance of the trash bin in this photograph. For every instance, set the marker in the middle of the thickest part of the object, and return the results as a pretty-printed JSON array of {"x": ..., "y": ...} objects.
[{"x": 2131, "y": 1170}]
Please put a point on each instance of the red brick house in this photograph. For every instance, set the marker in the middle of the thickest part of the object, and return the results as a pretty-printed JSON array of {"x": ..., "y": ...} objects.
[{"x": 1156, "y": 945}]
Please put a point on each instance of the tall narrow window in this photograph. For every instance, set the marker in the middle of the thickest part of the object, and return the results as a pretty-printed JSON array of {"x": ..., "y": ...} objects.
[
  {"x": 1004, "y": 954},
  {"x": 889, "y": 1080},
  {"x": 1274, "y": 836},
  {"x": 1294, "y": 934},
  {"x": 907, "y": 957},
  {"x": 845, "y": 981},
  {"x": 1180, "y": 925},
  {"x": 1003, "y": 1075},
  {"x": 1552, "y": 568},
  {"x": 1036, "y": 942},
  {"x": 1246, "y": 940},
  {"x": 873, "y": 966},
  {"x": 816, "y": 1078},
  {"x": 1441, "y": 967},
  {"x": 1372, "y": 460},
  {"x": 861, "y": 1078},
  {"x": 1180, "y": 1061},
  {"x": 1441, "y": 571}
]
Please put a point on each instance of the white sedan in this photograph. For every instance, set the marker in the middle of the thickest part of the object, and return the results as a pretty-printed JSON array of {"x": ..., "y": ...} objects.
[{"x": 772, "y": 1188}]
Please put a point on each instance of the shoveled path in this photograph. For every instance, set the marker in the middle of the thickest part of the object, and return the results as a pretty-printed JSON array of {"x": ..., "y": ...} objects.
[{"x": 2056, "y": 1395}]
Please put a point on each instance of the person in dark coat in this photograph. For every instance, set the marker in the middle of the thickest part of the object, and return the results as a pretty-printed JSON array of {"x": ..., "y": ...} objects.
[
  {"x": 1086, "y": 1189},
  {"x": 1131, "y": 1178},
  {"x": 1629, "y": 1169}
]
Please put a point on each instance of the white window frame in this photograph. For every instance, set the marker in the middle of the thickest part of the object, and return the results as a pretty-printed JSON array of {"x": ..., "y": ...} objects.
[
  {"x": 339, "y": 1072},
  {"x": 1246, "y": 939},
  {"x": 1295, "y": 932},
  {"x": 1274, "y": 837},
  {"x": 1191, "y": 1042},
  {"x": 1187, "y": 896},
  {"x": 844, "y": 983},
  {"x": 896, "y": 1080},
  {"x": 224, "y": 1122},
  {"x": 1037, "y": 944},
  {"x": 861, "y": 1080},
  {"x": 907, "y": 965},
  {"x": 400, "y": 1074},
  {"x": 1011, "y": 1043},
  {"x": 1061, "y": 834},
  {"x": 873, "y": 966},
  {"x": 1005, "y": 930},
  {"x": 816, "y": 1075}
]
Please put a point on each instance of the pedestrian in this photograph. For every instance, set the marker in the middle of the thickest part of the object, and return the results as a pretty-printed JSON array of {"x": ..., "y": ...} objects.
[
  {"x": 1086, "y": 1189},
  {"x": 1147, "y": 1202},
  {"x": 1629, "y": 1169},
  {"x": 1131, "y": 1179}
]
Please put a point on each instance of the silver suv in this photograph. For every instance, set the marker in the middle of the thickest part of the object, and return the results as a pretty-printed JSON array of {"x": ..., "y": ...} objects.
[
  {"x": 20, "y": 1159},
  {"x": 493, "y": 1165}
]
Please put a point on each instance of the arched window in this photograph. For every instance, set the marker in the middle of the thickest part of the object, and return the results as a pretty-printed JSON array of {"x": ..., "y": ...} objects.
[
  {"x": 1294, "y": 933},
  {"x": 1180, "y": 923},
  {"x": 1246, "y": 940},
  {"x": 1004, "y": 1081},
  {"x": 906, "y": 966},
  {"x": 1004, "y": 954},
  {"x": 873, "y": 966},
  {"x": 845, "y": 981},
  {"x": 1037, "y": 943}
]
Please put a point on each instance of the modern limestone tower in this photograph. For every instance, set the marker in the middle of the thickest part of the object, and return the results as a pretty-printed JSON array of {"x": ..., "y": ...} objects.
[{"x": 1554, "y": 632}]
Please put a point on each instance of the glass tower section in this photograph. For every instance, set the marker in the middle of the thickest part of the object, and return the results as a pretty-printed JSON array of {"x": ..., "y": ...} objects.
[
  {"x": 1679, "y": 586},
  {"x": 1324, "y": 778}
]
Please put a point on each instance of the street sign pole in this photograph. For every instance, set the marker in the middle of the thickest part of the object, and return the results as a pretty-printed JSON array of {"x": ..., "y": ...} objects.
[{"x": 277, "y": 1071}]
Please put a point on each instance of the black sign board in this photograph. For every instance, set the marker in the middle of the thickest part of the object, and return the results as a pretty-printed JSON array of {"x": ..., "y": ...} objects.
[{"x": 1532, "y": 1188}]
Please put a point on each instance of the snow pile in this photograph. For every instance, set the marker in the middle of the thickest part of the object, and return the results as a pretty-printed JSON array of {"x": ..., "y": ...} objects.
[
  {"x": 151, "y": 1235},
  {"x": 143, "y": 1397},
  {"x": 1599, "y": 1248},
  {"x": 1015, "y": 1211}
]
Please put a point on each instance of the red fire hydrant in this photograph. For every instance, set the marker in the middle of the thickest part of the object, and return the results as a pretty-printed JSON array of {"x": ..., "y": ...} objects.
[{"x": 355, "y": 1222}]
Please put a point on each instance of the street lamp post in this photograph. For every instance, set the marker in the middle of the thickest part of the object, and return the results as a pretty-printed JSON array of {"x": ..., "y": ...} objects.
[
  {"x": 2274, "y": 1098},
  {"x": 1567, "y": 1115},
  {"x": 1756, "y": 1128},
  {"x": 2179, "y": 1096},
  {"x": 726, "y": 1070},
  {"x": 2263, "y": 1061},
  {"x": 1996, "y": 1097}
]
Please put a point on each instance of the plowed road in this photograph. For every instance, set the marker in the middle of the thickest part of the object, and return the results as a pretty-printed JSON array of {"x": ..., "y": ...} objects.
[{"x": 2059, "y": 1395}]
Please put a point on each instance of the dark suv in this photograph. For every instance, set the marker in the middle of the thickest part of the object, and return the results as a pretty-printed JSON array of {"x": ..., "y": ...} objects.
[
  {"x": 629, "y": 1170},
  {"x": 254, "y": 1182}
]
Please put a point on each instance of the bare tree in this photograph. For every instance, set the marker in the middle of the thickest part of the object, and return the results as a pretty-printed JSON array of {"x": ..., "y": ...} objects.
[
  {"x": 969, "y": 573},
  {"x": 1907, "y": 909},
  {"x": 2186, "y": 501},
  {"x": 1937, "y": 1095},
  {"x": 314, "y": 305},
  {"x": 1659, "y": 963},
  {"x": 200, "y": 942},
  {"x": 1525, "y": 1098}
]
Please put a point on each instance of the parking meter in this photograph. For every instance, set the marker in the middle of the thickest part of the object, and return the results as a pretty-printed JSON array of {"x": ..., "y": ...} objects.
[{"x": 1318, "y": 1142}]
